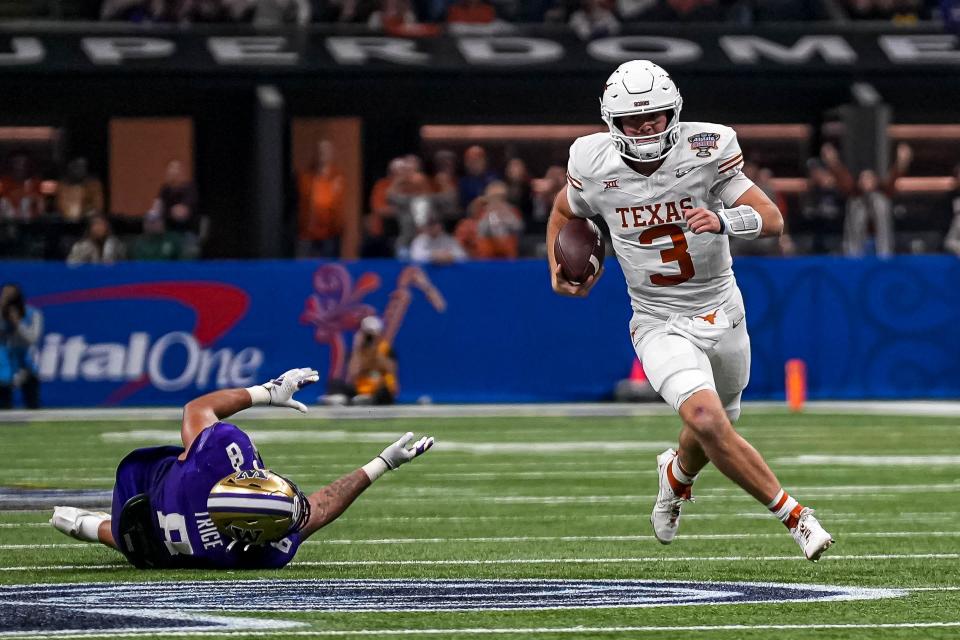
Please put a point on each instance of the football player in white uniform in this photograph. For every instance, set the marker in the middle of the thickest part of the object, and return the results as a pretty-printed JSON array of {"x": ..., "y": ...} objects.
[{"x": 671, "y": 193}]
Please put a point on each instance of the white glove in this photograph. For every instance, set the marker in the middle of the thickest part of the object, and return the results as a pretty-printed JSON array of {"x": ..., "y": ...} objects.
[
  {"x": 279, "y": 391},
  {"x": 398, "y": 453}
]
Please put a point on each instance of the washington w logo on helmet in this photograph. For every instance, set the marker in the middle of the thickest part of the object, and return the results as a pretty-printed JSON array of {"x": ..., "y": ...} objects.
[{"x": 257, "y": 506}]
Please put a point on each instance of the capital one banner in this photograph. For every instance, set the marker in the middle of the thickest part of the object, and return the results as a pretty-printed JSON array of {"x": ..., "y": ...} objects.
[{"x": 161, "y": 334}]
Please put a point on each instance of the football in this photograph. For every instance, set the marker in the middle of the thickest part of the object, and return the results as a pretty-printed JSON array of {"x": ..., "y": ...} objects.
[{"x": 579, "y": 250}]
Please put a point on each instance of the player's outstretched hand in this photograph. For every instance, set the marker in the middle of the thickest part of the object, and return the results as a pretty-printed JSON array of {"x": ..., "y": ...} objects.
[
  {"x": 701, "y": 220},
  {"x": 398, "y": 453},
  {"x": 566, "y": 288},
  {"x": 288, "y": 383}
]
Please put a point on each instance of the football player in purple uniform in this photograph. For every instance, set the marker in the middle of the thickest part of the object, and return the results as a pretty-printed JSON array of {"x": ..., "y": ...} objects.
[{"x": 212, "y": 503}]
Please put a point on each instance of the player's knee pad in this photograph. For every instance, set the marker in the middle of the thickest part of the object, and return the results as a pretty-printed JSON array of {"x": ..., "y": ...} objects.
[
  {"x": 675, "y": 367},
  {"x": 678, "y": 388},
  {"x": 733, "y": 408}
]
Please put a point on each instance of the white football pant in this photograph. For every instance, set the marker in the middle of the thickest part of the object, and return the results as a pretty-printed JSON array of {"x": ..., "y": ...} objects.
[{"x": 677, "y": 367}]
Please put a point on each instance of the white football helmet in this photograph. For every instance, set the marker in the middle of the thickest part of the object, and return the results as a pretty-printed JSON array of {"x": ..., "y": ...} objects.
[{"x": 640, "y": 86}]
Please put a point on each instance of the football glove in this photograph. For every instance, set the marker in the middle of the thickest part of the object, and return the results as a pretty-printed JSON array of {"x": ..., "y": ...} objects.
[
  {"x": 282, "y": 388},
  {"x": 398, "y": 453}
]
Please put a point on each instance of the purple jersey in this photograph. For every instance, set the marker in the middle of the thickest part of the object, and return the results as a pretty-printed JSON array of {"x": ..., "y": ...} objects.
[{"x": 178, "y": 493}]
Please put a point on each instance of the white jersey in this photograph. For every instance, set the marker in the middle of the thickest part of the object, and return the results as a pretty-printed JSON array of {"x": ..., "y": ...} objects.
[{"x": 668, "y": 269}]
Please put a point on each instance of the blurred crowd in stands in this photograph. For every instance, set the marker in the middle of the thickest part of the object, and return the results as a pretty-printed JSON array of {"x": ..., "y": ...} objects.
[
  {"x": 63, "y": 216},
  {"x": 452, "y": 206},
  {"x": 589, "y": 18}
]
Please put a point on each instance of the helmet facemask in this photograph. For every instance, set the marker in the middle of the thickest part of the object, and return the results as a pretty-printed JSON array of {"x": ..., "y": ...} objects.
[
  {"x": 644, "y": 148},
  {"x": 641, "y": 87}
]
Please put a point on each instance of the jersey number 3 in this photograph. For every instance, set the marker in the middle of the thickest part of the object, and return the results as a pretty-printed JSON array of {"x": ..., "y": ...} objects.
[{"x": 677, "y": 253}]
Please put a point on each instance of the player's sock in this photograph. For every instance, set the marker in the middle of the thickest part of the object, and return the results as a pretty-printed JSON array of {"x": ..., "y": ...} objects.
[
  {"x": 89, "y": 526},
  {"x": 786, "y": 508},
  {"x": 79, "y": 523},
  {"x": 680, "y": 481}
]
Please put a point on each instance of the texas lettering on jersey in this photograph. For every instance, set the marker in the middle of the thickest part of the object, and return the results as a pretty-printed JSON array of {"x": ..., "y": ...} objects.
[
  {"x": 648, "y": 215},
  {"x": 668, "y": 268}
]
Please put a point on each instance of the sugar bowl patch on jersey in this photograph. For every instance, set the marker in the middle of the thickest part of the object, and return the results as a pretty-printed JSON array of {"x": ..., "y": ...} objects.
[
  {"x": 703, "y": 142},
  {"x": 257, "y": 506}
]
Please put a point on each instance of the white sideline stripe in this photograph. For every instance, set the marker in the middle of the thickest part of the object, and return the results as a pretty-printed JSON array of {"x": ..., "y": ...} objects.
[
  {"x": 905, "y": 408},
  {"x": 513, "y": 539},
  {"x": 753, "y": 515},
  {"x": 648, "y": 560},
  {"x": 624, "y": 538},
  {"x": 497, "y": 475},
  {"x": 833, "y": 516},
  {"x": 158, "y": 436},
  {"x": 870, "y": 461},
  {"x": 524, "y": 631},
  {"x": 535, "y": 561},
  {"x": 859, "y": 491},
  {"x": 166, "y": 436}
]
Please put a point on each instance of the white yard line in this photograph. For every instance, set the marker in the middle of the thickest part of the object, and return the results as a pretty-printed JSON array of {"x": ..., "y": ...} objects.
[
  {"x": 646, "y": 560},
  {"x": 317, "y": 413},
  {"x": 636, "y": 515},
  {"x": 293, "y": 436},
  {"x": 870, "y": 461},
  {"x": 732, "y": 515},
  {"x": 536, "y": 561},
  {"x": 515, "y": 539}
]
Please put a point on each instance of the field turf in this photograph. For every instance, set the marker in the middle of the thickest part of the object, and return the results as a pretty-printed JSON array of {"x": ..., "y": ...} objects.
[{"x": 560, "y": 498}]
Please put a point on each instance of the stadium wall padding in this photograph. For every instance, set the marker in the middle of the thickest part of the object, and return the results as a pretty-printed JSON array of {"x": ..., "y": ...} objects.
[{"x": 162, "y": 333}]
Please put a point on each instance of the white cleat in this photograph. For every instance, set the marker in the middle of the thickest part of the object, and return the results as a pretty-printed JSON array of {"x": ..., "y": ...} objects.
[
  {"x": 811, "y": 536},
  {"x": 666, "y": 510},
  {"x": 67, "y": 520}
]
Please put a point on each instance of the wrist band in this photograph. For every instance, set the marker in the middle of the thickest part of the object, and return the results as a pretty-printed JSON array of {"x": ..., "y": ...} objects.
[
  {"x": 742, "y": 222},
  {"x": 259, "y": 395},
  {"x": 375, "y": 468}
]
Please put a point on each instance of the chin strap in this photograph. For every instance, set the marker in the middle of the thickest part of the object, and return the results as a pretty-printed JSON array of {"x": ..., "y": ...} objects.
[{"x": 741, "y": 222}]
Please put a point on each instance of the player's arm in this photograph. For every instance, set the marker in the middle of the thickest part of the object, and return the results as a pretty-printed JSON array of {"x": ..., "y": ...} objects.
[
  {"x": 200, "y": 413},
  {"x": 772, "y": 219},
  {"x": 560, "y": 214},
  {"x": 328, "y": 503},
  {"x": 752, "y": 215}
]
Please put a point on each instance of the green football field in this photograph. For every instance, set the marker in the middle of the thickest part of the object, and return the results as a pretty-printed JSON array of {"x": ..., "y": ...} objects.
[{"x": 541, "y": 499}]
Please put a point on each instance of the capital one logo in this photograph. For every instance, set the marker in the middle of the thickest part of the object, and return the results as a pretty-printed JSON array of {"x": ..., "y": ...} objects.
[{"x": 139, "y": 361}]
